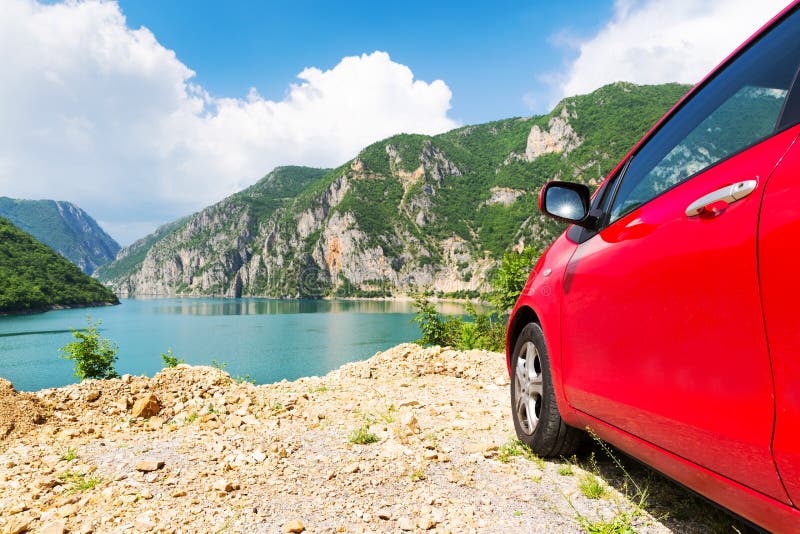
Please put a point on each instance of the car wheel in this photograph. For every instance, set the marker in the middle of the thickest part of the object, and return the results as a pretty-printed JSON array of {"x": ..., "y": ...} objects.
[{"x": 533, "y": 401}]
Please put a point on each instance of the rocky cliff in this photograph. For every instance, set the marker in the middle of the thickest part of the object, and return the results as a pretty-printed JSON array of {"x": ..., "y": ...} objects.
[
  {"x": 408, "y": 213},
  {"x": 64, "y": 227}
]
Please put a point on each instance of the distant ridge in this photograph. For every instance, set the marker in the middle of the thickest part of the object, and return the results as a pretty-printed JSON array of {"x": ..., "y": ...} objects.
[{"x": 64, "y": 227}]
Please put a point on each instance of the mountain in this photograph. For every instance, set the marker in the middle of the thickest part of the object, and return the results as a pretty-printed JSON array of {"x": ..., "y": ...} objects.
[
  {"x": 64, "y": 227},
  {"x": 33, "y": 277},
  {"x": 409, "y": 212}
]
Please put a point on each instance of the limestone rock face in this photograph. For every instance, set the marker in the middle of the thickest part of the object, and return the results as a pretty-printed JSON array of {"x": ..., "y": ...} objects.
[{"x": 560, "y": 138}]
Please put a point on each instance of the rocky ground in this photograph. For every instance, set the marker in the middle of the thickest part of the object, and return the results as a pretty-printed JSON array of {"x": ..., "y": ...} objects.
[{"x": 412, "y": 439}]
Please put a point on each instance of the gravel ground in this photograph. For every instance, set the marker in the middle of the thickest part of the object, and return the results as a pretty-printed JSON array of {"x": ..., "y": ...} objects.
[{"x": 412, "y": 439}]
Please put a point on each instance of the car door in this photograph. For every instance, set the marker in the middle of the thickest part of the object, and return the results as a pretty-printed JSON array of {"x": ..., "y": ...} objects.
[
  {"x": 662, "y": 327},
  {"x": 779, "y": 243}
]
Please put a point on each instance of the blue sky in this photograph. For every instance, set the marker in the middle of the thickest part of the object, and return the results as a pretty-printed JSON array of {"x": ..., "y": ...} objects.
[
  {"x": 490, "y": 54},
  {"x": 143, "y": 111}
]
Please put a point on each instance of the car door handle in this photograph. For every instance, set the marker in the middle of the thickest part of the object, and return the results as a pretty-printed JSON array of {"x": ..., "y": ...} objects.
[{"x": 727, "y": 195}]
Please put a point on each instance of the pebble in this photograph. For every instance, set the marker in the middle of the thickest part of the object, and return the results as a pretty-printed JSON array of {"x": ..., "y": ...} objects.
[
  {"x": 294, "y": 526},
  {"x": 405, "y": 523},
  {"x": 148, "y": 465},
  {"x": 18, "y": 523},
  {"x": 223, "y": 486},
  {"x": 144, "y": 523},
  {"x": 56, "y": 527}
]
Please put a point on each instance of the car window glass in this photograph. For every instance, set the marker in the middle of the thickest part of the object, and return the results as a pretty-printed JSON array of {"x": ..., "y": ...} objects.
[{"x": 738, "y": 107}]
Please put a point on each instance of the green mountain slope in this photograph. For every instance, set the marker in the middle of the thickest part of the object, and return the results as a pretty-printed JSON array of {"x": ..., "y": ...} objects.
[
  {"x": 64, "y": 227},
  {"x": 34, "y": 277},
  {"x": 409, "y": 212}
]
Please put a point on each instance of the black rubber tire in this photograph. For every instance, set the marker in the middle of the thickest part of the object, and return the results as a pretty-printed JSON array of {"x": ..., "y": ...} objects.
[{"x": 552, "y": 437}]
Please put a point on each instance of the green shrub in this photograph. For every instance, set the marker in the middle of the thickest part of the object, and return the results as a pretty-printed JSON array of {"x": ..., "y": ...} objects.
[
  {"x": 362, "y": 436},
  {"x": 436, "y": 329},
  {"x": 170, "y": 360},
  {"x": 510, "y": 277},
  {"x": 94, "y": 356}
]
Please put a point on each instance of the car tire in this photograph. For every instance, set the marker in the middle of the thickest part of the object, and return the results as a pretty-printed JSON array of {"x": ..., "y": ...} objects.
[{"x": 537, "y": 421}]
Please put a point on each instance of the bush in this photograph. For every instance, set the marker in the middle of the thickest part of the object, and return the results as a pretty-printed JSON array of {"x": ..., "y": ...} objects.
[
  {"x": 94, "y": 356},
  {"x": 510, "y": 278},
  {"x": 170, "y": 360},
  {"x": 436, "y": 329},
  {"x": 484, "y": 330}
]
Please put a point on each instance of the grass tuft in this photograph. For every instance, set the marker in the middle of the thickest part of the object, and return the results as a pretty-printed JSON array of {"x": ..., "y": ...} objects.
[
  {"x": 362, "y": 436},
  {"x": 78, "y": 481},
  {"x": 69, "y": 454},
  {"x": 591, "y": 487}
]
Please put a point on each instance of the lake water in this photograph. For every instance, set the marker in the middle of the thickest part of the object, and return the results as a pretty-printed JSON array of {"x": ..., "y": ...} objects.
[{"x": 267, "y": 339}]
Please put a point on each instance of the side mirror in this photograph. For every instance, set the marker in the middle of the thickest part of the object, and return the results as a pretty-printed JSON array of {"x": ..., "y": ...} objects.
[{"x": 566, "y": 202}]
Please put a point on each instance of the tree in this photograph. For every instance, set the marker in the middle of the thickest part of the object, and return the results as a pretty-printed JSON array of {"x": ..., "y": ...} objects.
[{"x": 94, "y": 356}]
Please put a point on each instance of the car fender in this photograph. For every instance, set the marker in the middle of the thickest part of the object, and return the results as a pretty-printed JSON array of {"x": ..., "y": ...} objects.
[{"x": 540, "y": 302}]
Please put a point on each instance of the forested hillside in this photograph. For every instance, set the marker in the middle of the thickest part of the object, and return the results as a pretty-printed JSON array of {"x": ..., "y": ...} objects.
[{"x": 34, "y": 277}]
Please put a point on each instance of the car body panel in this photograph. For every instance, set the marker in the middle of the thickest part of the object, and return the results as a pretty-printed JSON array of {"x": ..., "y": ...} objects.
[
  {"x": 669, "y": 364},
  {"x": 779, "y": 253},
  {"x": 542, "y": 301}
]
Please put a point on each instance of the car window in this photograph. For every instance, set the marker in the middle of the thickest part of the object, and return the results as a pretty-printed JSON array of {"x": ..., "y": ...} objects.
[{"x": 738, "y": 107}]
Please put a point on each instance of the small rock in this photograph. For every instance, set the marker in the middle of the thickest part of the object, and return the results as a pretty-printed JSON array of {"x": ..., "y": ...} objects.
[
  {"x": 259, "y": 456},
  {"x": 149, "y": 465},
  {"x": 430, "y": 455},
  {"x": 92, "y": 395},
  {"x": 146, "y": 406},
  {"x": 409, "y": 421},
  {"x": 144, "y": 523},
  {"x": 471, "y": 448},
  {"x": 156, "y": 422},
  {"x": 294, "y": 526},
  {"x": 19, "y": 523},
  {"x": 352, "y": 468},
  {"x": 56, "y": 527},
  {"x": 178, "y": 493},
  {"x": 426, "y": 523},
  {"x": 385, "y": 514},
  {"x": 405, "y": 523},
  {"x": 222, "y": 486}
]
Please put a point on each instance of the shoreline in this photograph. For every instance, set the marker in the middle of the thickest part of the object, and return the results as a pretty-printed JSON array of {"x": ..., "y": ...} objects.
[
  {"x": 57, "y": 307},
  {"x": 396, "y": 298}
]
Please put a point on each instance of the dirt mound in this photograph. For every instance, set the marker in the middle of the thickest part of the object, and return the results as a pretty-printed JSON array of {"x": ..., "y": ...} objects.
[{"x": 20, "y": 412}]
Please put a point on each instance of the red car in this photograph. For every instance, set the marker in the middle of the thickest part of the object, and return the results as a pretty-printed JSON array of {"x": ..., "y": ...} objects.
[{"x": 666, "y": 319}]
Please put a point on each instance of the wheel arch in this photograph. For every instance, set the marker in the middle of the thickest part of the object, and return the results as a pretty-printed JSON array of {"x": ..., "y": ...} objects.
[{"x": 522, "y": 316}]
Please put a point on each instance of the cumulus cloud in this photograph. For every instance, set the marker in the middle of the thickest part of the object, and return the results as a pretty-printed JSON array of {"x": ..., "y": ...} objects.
[
  {"x": 658, "y": 41},
  {"x": 98, "y": 113}
]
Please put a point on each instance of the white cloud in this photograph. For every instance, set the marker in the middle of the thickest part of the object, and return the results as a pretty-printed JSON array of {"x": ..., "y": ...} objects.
[
  {"x": 658, "y": 41},
  {"x": 101, "y": 114}
]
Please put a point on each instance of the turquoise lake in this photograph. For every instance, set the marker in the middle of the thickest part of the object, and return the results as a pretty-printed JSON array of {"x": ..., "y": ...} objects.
[{"x": 269, "y": 340}]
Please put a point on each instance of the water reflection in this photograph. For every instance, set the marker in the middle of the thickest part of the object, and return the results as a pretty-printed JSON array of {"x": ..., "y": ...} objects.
[{"x": 256, "y": 306}]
